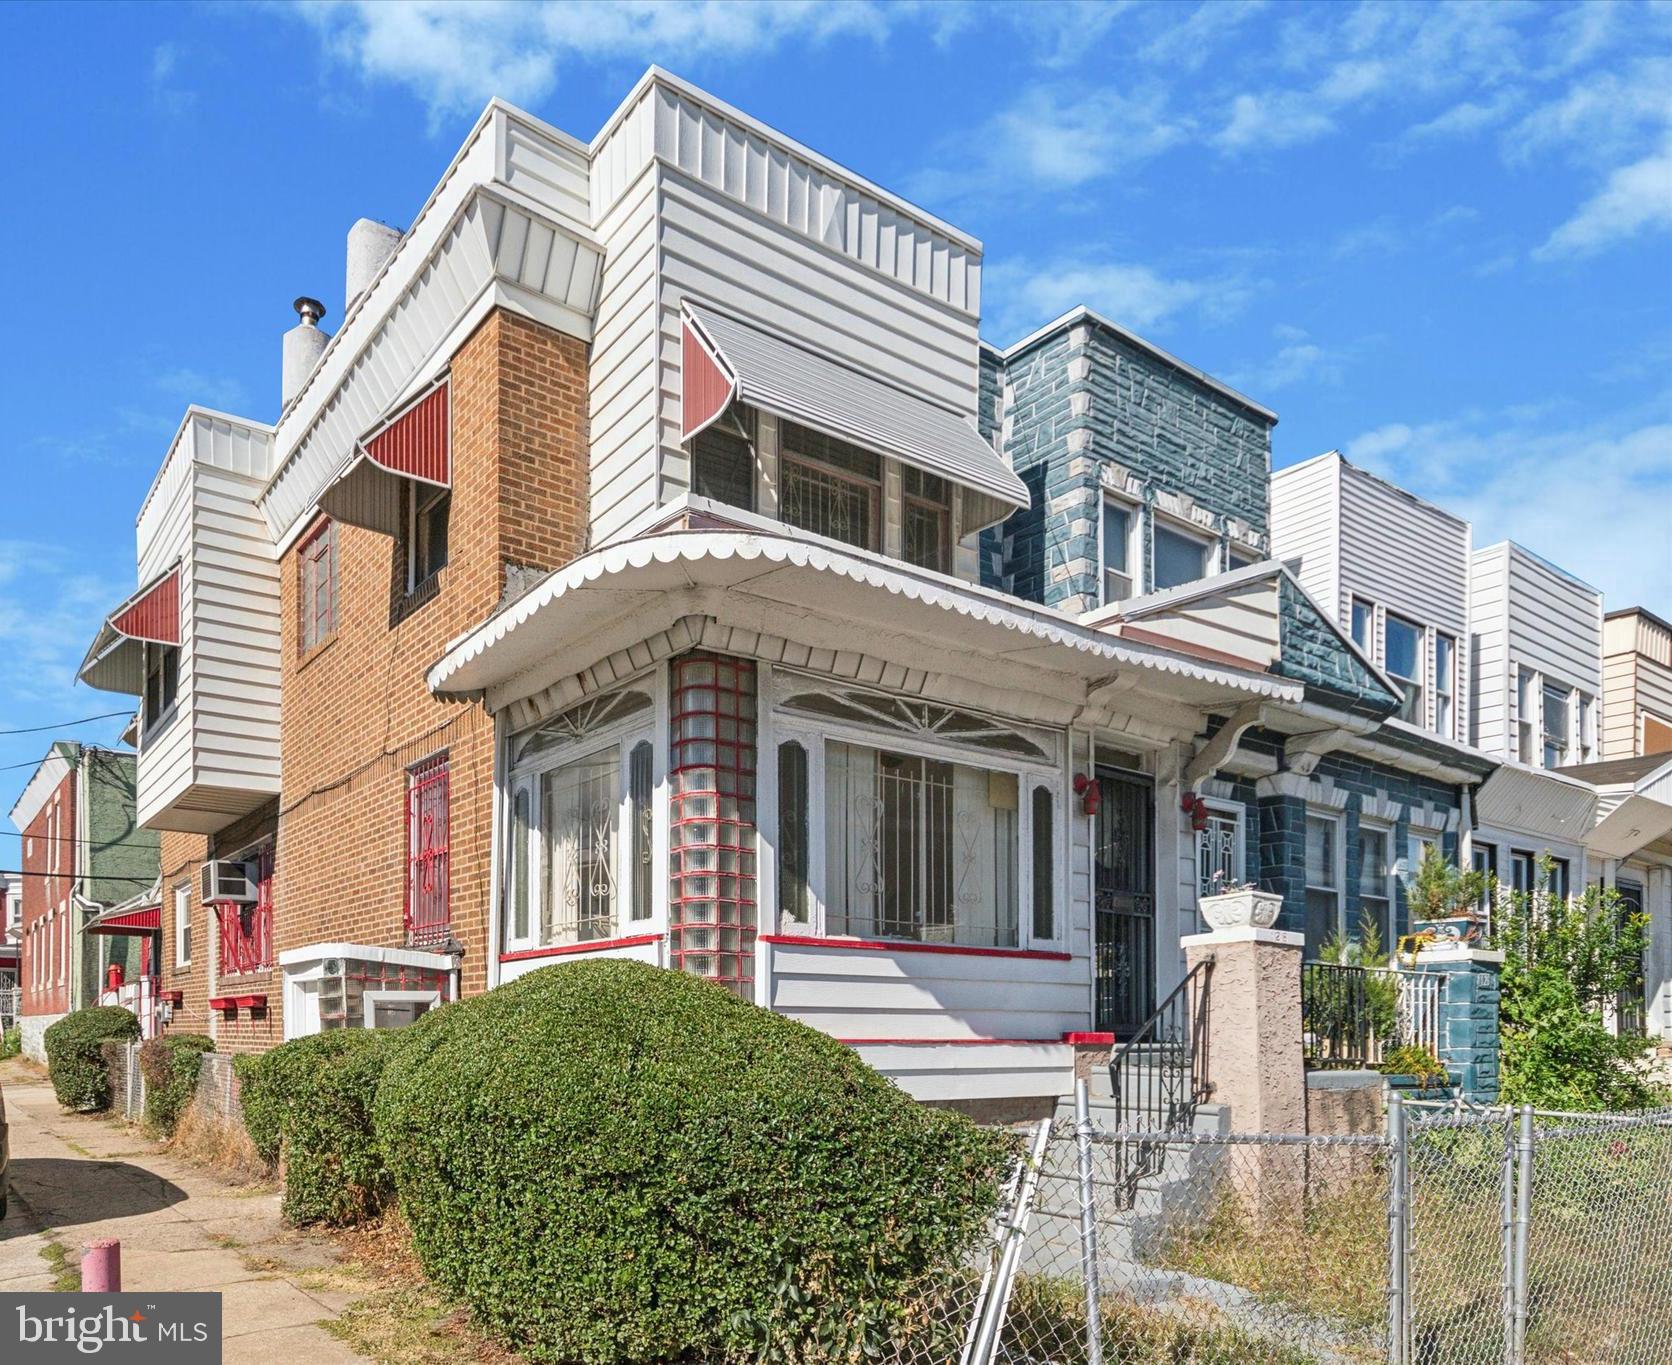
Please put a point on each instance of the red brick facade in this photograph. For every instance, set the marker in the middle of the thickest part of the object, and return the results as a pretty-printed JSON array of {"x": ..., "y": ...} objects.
[
  {"x": 357, "y": 714},
  {"x": 48, "y": 866}
]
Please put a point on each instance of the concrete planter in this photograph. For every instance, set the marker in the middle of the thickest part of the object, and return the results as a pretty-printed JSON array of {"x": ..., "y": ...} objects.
[{"x": 1242, "y": 909}]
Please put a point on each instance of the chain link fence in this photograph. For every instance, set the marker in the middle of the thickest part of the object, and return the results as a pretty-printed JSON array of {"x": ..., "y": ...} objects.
[{"x": 1508, "y": 1238}]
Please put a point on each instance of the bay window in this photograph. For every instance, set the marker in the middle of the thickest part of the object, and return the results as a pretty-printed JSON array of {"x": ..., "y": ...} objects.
[
  {"x": 1524, "y": 717},
  {"x": 926, "y": 510},
  {"x": 578, "y": 859},
  {"x": 162, "y": 686},
  {"x": 1556, "y": 722},
  {"x": 723, "y": 460}
]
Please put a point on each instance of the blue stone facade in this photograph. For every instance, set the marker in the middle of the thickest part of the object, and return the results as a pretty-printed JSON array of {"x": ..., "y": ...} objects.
[
  {"x": 1085, "y": 405},
  {"x": 1469, "y": 1025},
  {"x": 1313, "y": 652}
]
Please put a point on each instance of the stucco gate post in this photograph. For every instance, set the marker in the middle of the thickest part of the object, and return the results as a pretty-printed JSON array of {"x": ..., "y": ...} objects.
[{"x": 1256, "y": 1063}]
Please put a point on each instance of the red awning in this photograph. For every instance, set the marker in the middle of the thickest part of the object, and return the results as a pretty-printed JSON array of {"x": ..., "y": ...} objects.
[
  {"x": 413, "y": 445},
  {"x": 707, "y": 385},
  {"x": 146, "y": 919},
  {"x": 150, "y": 616}
]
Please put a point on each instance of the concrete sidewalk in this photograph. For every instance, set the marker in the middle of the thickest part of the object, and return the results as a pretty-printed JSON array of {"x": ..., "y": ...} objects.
[{"x": 74, "y": 1178}]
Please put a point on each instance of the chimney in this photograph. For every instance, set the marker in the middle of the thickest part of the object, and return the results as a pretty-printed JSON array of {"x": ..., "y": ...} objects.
[
  {"x": 370, "y": 244},
  {"x": 303, "y": 346}
]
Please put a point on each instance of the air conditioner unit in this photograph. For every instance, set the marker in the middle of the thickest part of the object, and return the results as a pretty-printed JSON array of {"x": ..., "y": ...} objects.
[{"x": 225, "y": 879}]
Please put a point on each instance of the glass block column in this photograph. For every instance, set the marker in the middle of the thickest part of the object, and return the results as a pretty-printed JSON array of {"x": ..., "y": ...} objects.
[{"x": 711, "y": 856}]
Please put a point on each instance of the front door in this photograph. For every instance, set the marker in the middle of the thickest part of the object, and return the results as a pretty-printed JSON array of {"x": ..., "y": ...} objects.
[{"x": 1125, "y": 901}]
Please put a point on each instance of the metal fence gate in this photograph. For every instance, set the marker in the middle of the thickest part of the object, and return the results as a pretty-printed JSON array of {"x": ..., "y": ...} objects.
[{"x": 1497, "y": 1237}]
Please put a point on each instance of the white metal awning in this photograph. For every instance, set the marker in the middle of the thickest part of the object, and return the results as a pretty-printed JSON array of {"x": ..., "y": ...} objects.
[{"x": 728, "y": 360}]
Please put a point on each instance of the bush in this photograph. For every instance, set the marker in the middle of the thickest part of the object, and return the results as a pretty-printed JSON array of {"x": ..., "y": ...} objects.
[
  {"x": 1415, "y": 1059},
  {"x": 73, "y": 1059},
  {"x": 11, "y": 1042},
  {"x": 612, "y": 1162},
  {"x": 308, "y": 1102},
  {"x": 170, "y": 1067}
]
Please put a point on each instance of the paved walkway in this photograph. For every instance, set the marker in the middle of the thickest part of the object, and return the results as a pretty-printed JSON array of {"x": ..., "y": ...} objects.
[{"x": 74, "y": 1178}]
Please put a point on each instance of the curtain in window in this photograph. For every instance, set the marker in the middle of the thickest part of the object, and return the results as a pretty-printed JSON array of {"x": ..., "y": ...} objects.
[{"x": 580, "y": 801}]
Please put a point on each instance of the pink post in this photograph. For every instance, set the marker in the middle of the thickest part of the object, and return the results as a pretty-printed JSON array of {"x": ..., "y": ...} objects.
[{"x": 101, "y": 1266}]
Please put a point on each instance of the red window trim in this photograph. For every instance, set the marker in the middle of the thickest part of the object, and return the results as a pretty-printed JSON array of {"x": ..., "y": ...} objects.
[
  {"x": 567, "y": 949},
  {"x": 427, "y": 911},
  {"x": 904, "y": 945},
  {"x": 240, "y": 953},
  {"x": 952, "y": 1042}
]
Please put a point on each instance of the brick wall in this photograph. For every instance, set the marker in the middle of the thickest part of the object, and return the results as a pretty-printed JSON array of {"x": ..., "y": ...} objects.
[
  {"x": 48, "y": 917},
  {"x": 181, "y": 858},
  {"x": 357, "y": 714},
  {"x": 243, "y": 1029}
]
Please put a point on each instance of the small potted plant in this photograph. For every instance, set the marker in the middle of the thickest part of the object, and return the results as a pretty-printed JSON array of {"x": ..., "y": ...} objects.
[{"x": 1239, "y": 905}]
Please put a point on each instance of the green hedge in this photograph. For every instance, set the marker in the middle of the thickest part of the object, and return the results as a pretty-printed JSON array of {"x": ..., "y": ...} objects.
[
  {"x": 612, "y": 1162},
  {"x": 73, "y": 1058},
  {"x": 170, "y": 1067},
  {"x": 309, "y": 1102},
  {"x": 11, "y": 1042}
]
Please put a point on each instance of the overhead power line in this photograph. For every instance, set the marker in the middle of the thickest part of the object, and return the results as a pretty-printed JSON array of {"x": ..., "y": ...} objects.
[{"x": 65, "y": 724}]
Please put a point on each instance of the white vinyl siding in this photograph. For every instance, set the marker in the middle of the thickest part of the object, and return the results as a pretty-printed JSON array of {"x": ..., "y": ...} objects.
[{"x": 1305, "y": 525}]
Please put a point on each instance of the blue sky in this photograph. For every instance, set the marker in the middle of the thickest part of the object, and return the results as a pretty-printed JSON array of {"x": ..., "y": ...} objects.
[{"x": 1437, "y": 237}]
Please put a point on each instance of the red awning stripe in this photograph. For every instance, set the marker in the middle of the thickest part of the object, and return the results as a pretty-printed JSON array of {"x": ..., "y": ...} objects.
[
  {"x": 147, "y": 920},
  {"x": 417, "y": 444},
  {"x": 707, "y": 385},
  {"x": 153, "y": 614}
]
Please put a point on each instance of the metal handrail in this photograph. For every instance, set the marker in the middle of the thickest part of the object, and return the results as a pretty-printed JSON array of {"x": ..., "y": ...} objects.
[{"x": 1172, "y": 1045}]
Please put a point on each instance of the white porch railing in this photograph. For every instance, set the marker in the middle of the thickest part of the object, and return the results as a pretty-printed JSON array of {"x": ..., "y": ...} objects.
[{"x": 139, "y": 996}]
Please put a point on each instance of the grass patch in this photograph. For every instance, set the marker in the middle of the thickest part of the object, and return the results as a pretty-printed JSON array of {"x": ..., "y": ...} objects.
[
  {"x": 65, "y": 1268},
  {"x": 223, "y": 1146}
]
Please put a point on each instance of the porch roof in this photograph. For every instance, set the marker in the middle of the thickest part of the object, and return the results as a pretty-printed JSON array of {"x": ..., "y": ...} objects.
[{"x": 836, "y": 600}]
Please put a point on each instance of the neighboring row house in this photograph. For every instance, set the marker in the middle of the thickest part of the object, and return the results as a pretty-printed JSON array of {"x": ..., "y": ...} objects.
[
  {"x": 83, "y": 856},
  {"x": 655, "y": 563},
  {"x": 1499, "y": 651}
]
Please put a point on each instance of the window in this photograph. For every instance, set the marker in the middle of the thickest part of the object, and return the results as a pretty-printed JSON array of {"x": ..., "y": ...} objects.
[
  {"x": 1375, "y": 881},
  {"x": 641, "y": 821},
  {"x": 1404, "y": 649},
  {"x": 183, "y": 924},
  {"x": 1523, "y": 871},
  {"x": 829, "y": 487},
  {"x": 1324, "y": 911},
  {"x": 1179, "y": 558},
  {"x": 1524, "y": 718},
  {"x": 582, "y": 802},
  {"x": 1044, "y": 865},
  {"x": 1587, "y": 729},
  {"x": 794, "y": 834},
  {"x": 1239, "y": 559},
  {"x": 919, "y": 848},
  {"x": 1556, "y": 883},
  {"x": 927, "y": 509},
  {"x": 723, "y": 460},
  {"x": 246, "y": 928},
  {"x": 1555, "y": 714},
  {"x": 316, "y": 566},
  {"x": 162, "y": 685},
  {"x": 1118, "y": 521},
  {"x": 1219, "y": 851},
  {"x": 581, "y": 824},
  {"x": 426, "y": 536},
  {"x": 1420, "y": 846},
  {"x": 1483, "y": 858},
  {"x": 1445, "y": 684},
  {"x": 1657, "y": 735},
  {"x": 1364, "y": 626},
  {"x": 428, "y": 829},
  {"x": 396, "y": 1009}
]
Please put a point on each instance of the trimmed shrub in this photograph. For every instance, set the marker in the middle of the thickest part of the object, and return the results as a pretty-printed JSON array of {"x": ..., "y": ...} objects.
[
  {"x": 613, "y": 1162},
  {"x": 170, "y": 1067},
  {"x": 73, "y": 1057},
  {"x": 307, "y": 1104}
]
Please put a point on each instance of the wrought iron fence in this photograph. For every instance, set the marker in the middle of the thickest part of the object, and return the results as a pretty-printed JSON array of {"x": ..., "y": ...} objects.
[
  {"x": 1493, "y": 1237},
  {"x": 1354, "y": 1016},
  {"x": 11, "y": 1005}
]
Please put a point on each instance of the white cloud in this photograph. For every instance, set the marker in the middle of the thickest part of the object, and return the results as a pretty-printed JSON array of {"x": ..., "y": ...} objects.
[
  {"x": 1019, "y": 296},
  {"x": 454, "y": 55},
  {"x": 1635, "y": 198},
  {"x": 1279, "y": 118},
  {"x": 50, "y": 606},
  {"x": 1298, "y": 359},
  {"x": 194, "y": 386},
  {"x": 1590, "y": 498}
]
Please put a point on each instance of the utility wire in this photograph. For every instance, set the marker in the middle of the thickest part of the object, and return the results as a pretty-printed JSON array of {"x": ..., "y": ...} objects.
[
  {"x": 65, "y": 724},
  {"x": 70, "y": 877}
]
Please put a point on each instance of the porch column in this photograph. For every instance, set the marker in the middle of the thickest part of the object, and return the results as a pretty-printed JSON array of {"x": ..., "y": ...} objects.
[
  {"x": 1468, "y": 1015},
  {"x": 1256, "y": 1063}
]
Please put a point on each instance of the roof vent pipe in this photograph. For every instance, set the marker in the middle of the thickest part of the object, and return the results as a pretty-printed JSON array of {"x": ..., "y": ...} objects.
[
  {"x": 303, "y": 346},
  {"x": 370, "y": 244}
]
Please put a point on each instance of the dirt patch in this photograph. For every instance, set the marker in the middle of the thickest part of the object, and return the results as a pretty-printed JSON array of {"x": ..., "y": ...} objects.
[{"x": 405, "y": 1320}]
